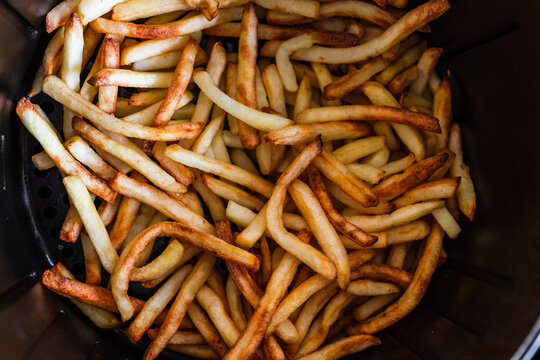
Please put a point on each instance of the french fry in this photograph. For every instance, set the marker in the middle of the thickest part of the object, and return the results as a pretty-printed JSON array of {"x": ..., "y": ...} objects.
[
  {"x": 220, "y": 168},
  {"x": 178, "y": 171},
  {"x": 382, "y": 272},
  {"x": 359, "y": 10},
  {"x": 427, "y": 264},
  {"x": 324, "y": 232},
  {"x": 442, "y": 110},
  {"x": 382, "y": 208},
  {"x": 58, "y": 15},
  {"x": 307, "y": 8},
  {"x": 207, "y": 329},
  {"x": 403, "y": 80},
  {"x": 369, "y": 112},
  {"x": 101, "y": 318},
  {"x": 146, "y": 115},
  {"x": 156, "y": 304},
  {"x": 110, "y": 59},
  {"x": 39, "y": 127},
  {"x": 89, "y": 10},
  {"x": 232, "y": 193},
  {"x": 246, "y": 92},
  {"x": 191, "y": 285},
  {"x": 150, "y": 48},
  {"x": 343, "y": 347},
  {"x": 340, "y": 223},
  {"x": 358, "y": 149},
  {"x": 366, "y": 172},
  {"x": 167, "y": 60},
  {"x": 408, "y": 59},
  {"x": 133, "y": 158},
  {"x": 303, "y": 97},
  {"x": 162, "y": 265},
  {"x": 413, "y": 176},
  {"x": 181, "y": 337},
  {"x": 425, "y": 65},
  {"x": 87, "y": 156},
  {"x": 364, "y": 311},
  {"x": 273, "y": 33},
  {"x": 433, "y": 190},
  {"x": 402, "y": 28},
  {"x": 397, "y": 166},
  {"x": 91, "y": 261},
  {"x": 56, "y": 88},
  {"x": 177, "y": 28},
  {"x": 255, "y": 118},
  {"x": 213, "y": 202},
  {"x": 80, "y": 198},
  {"x": 465, "y": 193},
  {"x": 234, "y": 298},
  {"x": 52, "y": 56},
  {"x": 300, "y": 134},
  {"x": 255, "y": 329},
  {"x": 159, "y": 200}
]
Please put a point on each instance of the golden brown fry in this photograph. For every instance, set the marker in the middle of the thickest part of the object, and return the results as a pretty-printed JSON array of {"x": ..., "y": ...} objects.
[
  {"x": 433, "y": 190},
  {"x": 425, "y": 65},
  {"x": 184, "y": 298},
  {"x": 180, "y": 27},
  {"x": 124, "y": 220},
  {"x": 300, "y": 134},
  {"x": 442, "y": 110},
  {"x": 178, "y": 171},
  {"x": 234, "y": 298},
  {"x": 340, "y": 223},
  {"x": 343, "y": 347},
  {"x": 403, "y": 80},
  {"x": 246, "y": 92},
  {"x": 413, "y": 176},
  {"x": 408, "y": 59},
  {"x": 415, "y": 291},
  {"x": 232, "y": 193},
  {"x": 405, "y": 26},
  {"x": 110, "y": 59},
  {"x": 181, "y": 337},
  {"x": 369, "y": 112},
  {"x": 207, "y": 329},
  {"x": 383, "y": 272},
  {"x": 91, "y": 261},
  {"x": 383, "y": 207}
]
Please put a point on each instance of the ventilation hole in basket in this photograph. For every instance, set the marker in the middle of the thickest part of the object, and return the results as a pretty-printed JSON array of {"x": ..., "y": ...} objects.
[
  {"x": 65, "y": 198},
  {"x": 67, "y": 250},
  {"x": 41, "y": 173},
  {"x": 44, "y": 192},
  {"x": 50, "y": 212},
  {"x": 47, "y": 106},
  {"x": 78, "y": 269},
  {"x": 55, "y": 232}
]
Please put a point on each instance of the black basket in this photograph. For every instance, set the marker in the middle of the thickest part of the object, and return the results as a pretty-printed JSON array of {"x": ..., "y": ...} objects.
[{"x": 482, "y": 304}]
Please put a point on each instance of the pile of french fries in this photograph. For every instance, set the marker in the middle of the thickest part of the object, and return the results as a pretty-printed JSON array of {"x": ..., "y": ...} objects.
[{"x": 323, "y": 167}]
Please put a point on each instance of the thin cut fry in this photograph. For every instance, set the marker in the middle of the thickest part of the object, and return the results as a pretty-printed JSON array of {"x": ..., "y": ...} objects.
[
  {"x": 300, "y": 134},
  {"x": 307, "y": 8},
  {"x": 433, "y": 190},
  {"x": 343, "y": 347}
]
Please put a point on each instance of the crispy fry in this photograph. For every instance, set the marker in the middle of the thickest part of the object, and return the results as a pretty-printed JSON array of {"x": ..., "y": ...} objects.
[
  {"x": 415, "y": 291},
  {"x": 433, "y": 190},
  {"x": 178, "y": 171},
  {"x": 61, "y": 93},
  {"x": 340, "y": 223},
  {"x": 246, "y": 92},
  {"x": 234, "y": 298},
  {"x": 307, "y": 8},
  {"x": 369, "y": 112},
  {"x": 343, "y": 347},
  {"x": 207, "y": 329},
  {"x": 403, "y": 80},
  {"x": 91, "y": 261},
  {"x": 181, "y": 337},
  {"x": 442, "y": 110},
  {"x": 180, "y": 27},
  {"x": 405, "y": 26},
  {"x": 299, "y": 134}
]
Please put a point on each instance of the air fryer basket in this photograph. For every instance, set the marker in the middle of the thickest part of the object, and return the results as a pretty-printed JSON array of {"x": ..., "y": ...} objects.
[{"x": 482, "y": 304}]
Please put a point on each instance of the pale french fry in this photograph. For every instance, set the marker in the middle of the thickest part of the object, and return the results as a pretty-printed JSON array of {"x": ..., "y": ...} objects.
[
  {"x": 72, "y": 64},
  {"x": 58, "y": 90},
  {"x": 358, "y": 149},
  {"x": 146, "y": 115},
  {"x": 303, "y": 97},
  {"x": 160, "y": 201},
  {"x": 405, "y": 26},
  {"x": 433, "y": 190},
  {"x": 255, "y": 118},
  {"x": 167, "y": 60},
  {"x": 382, "y": 208},
  {"x": 207, "y": 329},
  {"x": 232, "y": 193},
  {"x": 150, "y": 48},
  {"x": 283, "y": 63},
  {"x": 213, "y": 202},
  {"x": 220, "y": 168},
  {"x": 371, "y": 288},
  {"x": 204, "y": 141},
  {"x": 163, "y": 18},
  {"x": 410, "y": 100},
  {"x": 465, "y": 193},
  {"x": 366, "y": 172},
  {"x": 427, "y": 264},
  {"x": 343, "y": 347},
  {"x": 371, "y": 306},
  {"x": 58, "y": 15},
  {"x": 397, "y": 166},
  {"x": 39, "y": 127},
  {"x": 177, "y": 28},
  {"x": 162, "y": 265},
  {"x": 89, "y": 10},
  {"x": 307, "y": 8},
  {"x": 425, "y": 65},
  {"x": 87, "y": 156},
  {"x": 324, "y": 232},
  {"x": 234, "y": 298},
  {"x": 80, "y": 198},
  {"x": 372, "y": 223},
  {"x": 133, "y": 158},
  {"x": 317, "y": 334},
  {"x": 156, "y": 304},
  {"x": 447, "y": 222}
]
